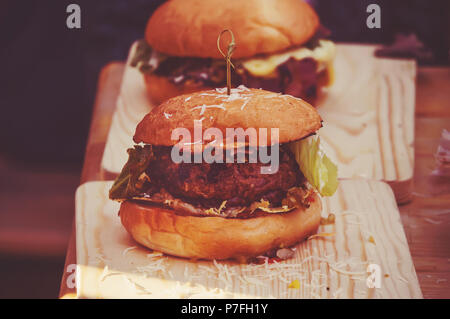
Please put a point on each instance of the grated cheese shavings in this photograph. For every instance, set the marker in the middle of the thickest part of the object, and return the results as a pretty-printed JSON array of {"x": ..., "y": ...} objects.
[
  {"x": 432, "y": 221},
  {"x": 203, "y": 107},
  {"x": 107, "y": 273},
  {"x": 126, "y": 250},
  {"x": 216, "y": 211},
  {"x": 321, "y": 235}
]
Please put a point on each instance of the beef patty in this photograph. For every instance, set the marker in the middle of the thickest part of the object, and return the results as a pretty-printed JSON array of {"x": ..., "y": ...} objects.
[{"x": 210, "y": 184}]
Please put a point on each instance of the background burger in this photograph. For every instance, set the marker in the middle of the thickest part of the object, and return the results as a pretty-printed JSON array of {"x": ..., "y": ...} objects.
[
  {"x": 280, "y": 47},
  {"x": 224, "y": 210}
]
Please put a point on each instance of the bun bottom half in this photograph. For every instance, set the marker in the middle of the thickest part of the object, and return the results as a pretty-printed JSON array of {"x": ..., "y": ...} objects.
[{"x": 218, "y": 238}]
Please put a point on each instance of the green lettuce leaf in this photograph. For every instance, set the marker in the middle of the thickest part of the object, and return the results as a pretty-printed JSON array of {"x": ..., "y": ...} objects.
[
  {"x": 127, "y": 183},
  {"x": 141, "y": 56},
  {"x": 318, "y": 169},
  {"x": 145, "y": 58}
]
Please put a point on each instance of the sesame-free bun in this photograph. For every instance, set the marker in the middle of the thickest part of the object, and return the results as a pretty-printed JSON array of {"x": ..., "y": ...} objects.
[
  {"x": 216, "y": 237},
  {"x": 244, "y": 108},
  {"x": 160, "y": 88},
  {"x": 191, "y": 27}
]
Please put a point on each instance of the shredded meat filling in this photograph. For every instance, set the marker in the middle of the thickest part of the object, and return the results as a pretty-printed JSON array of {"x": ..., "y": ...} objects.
[{"x": 225, "y": 189}]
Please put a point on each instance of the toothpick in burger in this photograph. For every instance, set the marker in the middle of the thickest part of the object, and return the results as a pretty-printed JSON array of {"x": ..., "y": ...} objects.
[{"x": 282, "y": 47}]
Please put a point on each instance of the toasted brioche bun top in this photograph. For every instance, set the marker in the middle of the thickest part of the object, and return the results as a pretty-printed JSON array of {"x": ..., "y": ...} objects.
[
  {"x": 191, "y": 27},
  {"x": 244, "y": 108}
]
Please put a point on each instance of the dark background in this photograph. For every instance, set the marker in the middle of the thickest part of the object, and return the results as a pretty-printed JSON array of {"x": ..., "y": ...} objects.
[{"x": 48, "y": 81}]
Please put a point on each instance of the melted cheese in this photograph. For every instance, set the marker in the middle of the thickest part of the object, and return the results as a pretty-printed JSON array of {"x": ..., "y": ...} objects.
[{"x": 324, "y": 53}]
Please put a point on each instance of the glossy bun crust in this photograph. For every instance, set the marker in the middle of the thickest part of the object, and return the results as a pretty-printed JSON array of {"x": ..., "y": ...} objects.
[
  {"x": 191, "y": 27},
  {"x": 244, "y": 108},
  {"x": 216, "y": 237}
]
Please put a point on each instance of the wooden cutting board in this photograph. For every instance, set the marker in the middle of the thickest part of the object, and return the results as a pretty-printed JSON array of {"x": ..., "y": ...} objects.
[
  {"x": 367, "y": 229},
  {"x": 368, "y": 118}
]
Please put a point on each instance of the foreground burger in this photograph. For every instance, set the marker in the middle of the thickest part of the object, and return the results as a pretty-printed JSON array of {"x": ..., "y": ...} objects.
[
  {"x": 225, "y": 209},
  {"x": 280, "y": 47}
]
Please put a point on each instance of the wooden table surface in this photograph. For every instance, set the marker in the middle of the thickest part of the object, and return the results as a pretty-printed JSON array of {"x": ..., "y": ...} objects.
[{"x": 426, "y": 218}]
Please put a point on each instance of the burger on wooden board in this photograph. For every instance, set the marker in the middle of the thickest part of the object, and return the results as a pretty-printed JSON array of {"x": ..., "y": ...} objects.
[
  {"x": 281, "y": 47},
  {"x": 222, "y": 209}
]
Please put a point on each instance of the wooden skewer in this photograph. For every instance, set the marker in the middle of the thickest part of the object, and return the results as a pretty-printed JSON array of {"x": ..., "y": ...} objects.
[{"x": 231, "y": 47}]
